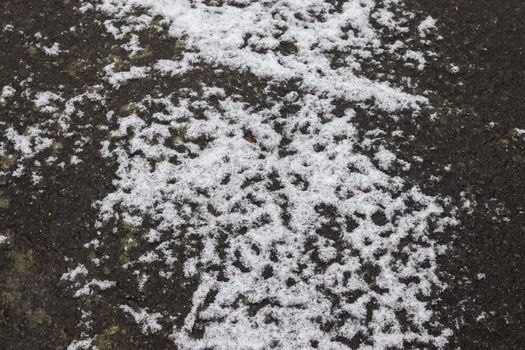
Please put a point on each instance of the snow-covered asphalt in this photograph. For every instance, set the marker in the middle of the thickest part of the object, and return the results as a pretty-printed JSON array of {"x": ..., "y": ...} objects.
[{"x": 240, "y": 174}]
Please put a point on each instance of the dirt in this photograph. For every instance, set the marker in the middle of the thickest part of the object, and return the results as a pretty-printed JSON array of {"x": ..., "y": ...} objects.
[{"x": 484, "y": 301}]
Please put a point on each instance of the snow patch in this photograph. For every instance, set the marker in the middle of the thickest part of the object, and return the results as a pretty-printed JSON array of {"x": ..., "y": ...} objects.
[{"x": 147, "y": 321}]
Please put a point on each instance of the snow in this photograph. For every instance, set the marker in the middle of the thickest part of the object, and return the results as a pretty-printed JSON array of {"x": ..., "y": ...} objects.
[
  {"x": 7, "y": 91},
  {"x": 53, "y": 50},
  {"x": 385, "y": 158},
  {"x": 416, "y": 56},
  {"x": 87, "y": 289},
  {"x": 30, "y": 143},
  {"x": 299, "y": 213},
  {"x": 147, "y": 321},
  {"x": 44, "y": 100},
  {"x": 219, "y": 34},
  {"x": 133, "y": 46},
  {"x": 118, "y": 78},
  {"x": 81, "y": 344},
  {"x": 8, "y": 28},
  {"x": 426, "y": 26},
  {"x": 73, "y": 274}
]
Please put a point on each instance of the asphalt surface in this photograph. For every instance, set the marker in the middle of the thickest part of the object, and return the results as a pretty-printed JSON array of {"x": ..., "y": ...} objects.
[
  {"x": 486, "y": 38},
  {"x": 484, "y": 270}
]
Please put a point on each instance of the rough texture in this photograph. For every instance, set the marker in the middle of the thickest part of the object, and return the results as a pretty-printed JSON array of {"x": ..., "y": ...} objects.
[{"x": 66, "y": 194}]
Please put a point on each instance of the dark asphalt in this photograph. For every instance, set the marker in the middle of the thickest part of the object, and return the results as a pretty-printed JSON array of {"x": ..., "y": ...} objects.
[{"x": 485, "y": 269}]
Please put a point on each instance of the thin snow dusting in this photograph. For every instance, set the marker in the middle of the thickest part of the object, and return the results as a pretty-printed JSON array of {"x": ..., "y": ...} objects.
[
  {"x": 117, "y": 78},
  {"x": 29, "y": 143},
  {"x": 147, "y": 321},
  {"x": 251, "y": 183},
  {"x": 245, "y": 35}
]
